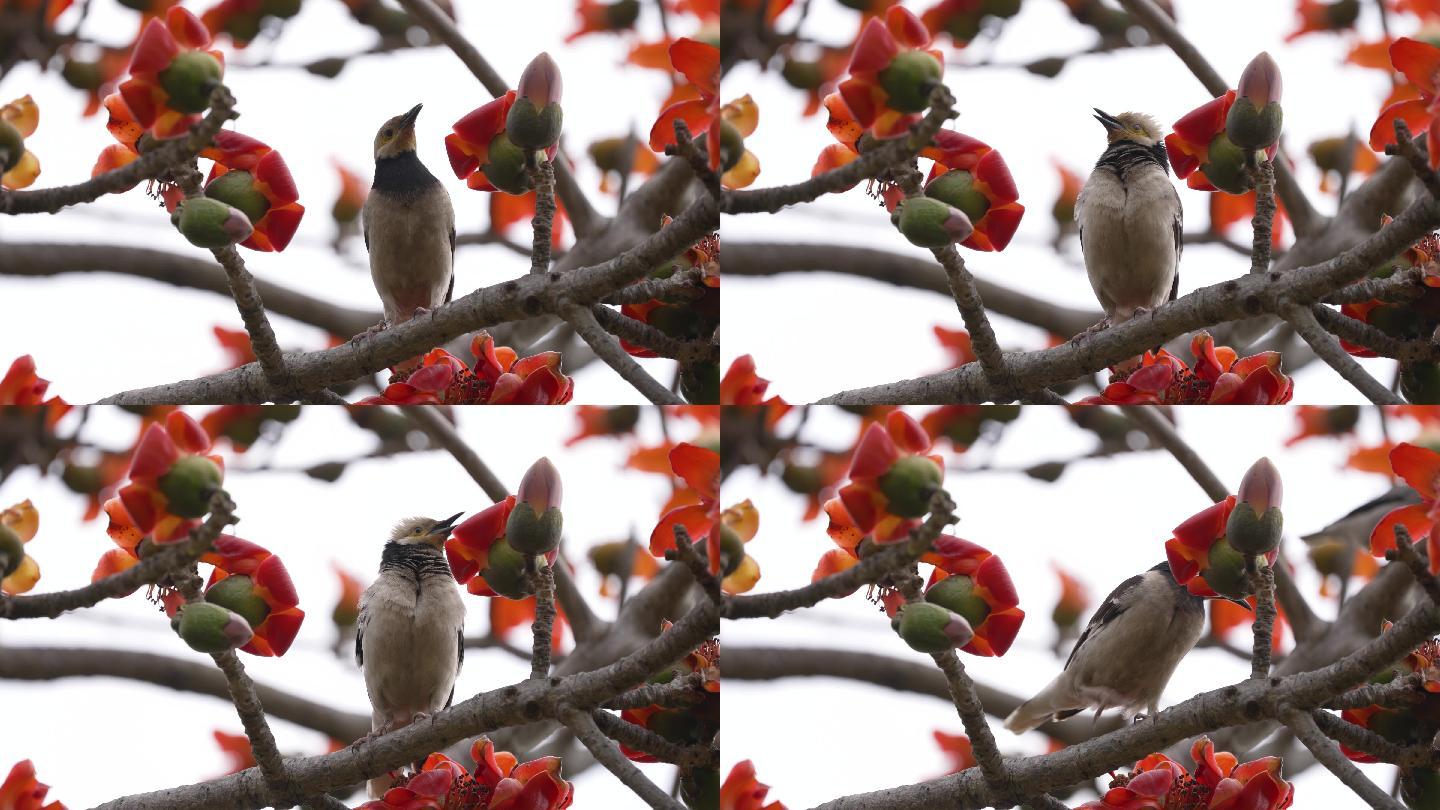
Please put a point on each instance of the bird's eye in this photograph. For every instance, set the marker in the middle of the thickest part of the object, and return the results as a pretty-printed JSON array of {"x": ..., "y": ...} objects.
[{"x": 388, "y": 134}]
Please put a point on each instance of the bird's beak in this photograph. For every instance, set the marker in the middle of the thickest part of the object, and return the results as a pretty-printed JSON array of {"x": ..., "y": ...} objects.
[
  {"x": 1106, "y": 120},
  {"x": 407, "y": 121},
  {"x": 1241, "y": 602},
  {"x": 444, "y": 526}
]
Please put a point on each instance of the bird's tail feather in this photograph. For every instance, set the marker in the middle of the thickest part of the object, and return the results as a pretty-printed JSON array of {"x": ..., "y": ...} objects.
[{"x": 1051, "y": 703}]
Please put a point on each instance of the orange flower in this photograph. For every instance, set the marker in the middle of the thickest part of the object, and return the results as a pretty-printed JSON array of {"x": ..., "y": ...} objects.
[
  {"x": 1420, "y": 467},
  {"x": 22, "y": 521},
  {"x": 1225, "y": 616},
  {"x": 499, "y": 782},
  {"x": 508, "y": 614},
  {"x": 891, "y": 74},
  {"x": 957, "y": 748},
  {"x": 167, "y": 506},
  {"x": 694, "y": 725},
  {"x": 744, "y": 116},
  {"x": 468, "y": 549},
  {"x": 1323, "y": 15},
  {"x": 347, "y": 605},
  {"x": 170, "y": 54},
  {"x": 237, "y": 750},
  {"x": 265, "y": 191},
  {"x": 742, "y": 386},
  {"x": 743, "y": 520},
  {"x": 1218, "y": 378},
  {"x": 123, "y": 127},
  {"x": 499, "y": 377},
  {"x": 507, "y": 210},
  {"x": 981, "y": 184},
  {"x": 21, "y": 791},
  {"x": 1218, "y": 783},
  {"x": 265, "y": 595},
  {"x": 742, "y": 791},
  {"x": 1196, "y": 562},
  {"x": 1228, "y": 209},
  {"x": 1193, "y": 153},
  {"x": 970, "y": 581},
  {"x": 891, "y": 479},
  {"x": 596, "y": 16},
  {"x": 21, "y": 386},
  {"x": 699, "y": 62},
  {"x": 351, "y": 198},
  {"x": 610, "y": 158},
  {"x": 1317, "y": 420},
  {"x": 1074, "y": 598},
  {"x": 24, "y": 116},
  {"x": 599, "y": 420},
  {"x": 481, "y": 153},
  {"x": 699, "y": 468},
  {"x": 1420, "y": 62}
]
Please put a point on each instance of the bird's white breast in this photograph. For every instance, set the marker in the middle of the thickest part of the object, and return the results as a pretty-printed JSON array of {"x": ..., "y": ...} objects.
[
  {"x": 410, "y": 253},
  {"x": 1127, "y": 228},
  {"x": 411, "y": 646}
]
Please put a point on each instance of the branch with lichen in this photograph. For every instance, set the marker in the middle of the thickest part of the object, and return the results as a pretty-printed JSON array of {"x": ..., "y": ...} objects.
[{"x": 544, "y": 625}]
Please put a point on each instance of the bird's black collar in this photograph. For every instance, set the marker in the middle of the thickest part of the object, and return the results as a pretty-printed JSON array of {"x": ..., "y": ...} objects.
[{"x": 402, "y": 174}]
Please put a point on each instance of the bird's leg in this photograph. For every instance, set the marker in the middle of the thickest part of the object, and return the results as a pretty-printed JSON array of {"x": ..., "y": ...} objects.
[
  {"x": 1099, "y": 326},
  {"x": 374, "y": 330},
  {"x": 385, "y": 728}
]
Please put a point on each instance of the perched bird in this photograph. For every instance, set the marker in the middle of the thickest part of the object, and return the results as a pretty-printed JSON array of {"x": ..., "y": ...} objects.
[
  {"x": 1126, "y": 654},
  {"x": 1130, "y": 220},
  {"x": 410, "y": 637},
  {"x": 409, "y": 227}
]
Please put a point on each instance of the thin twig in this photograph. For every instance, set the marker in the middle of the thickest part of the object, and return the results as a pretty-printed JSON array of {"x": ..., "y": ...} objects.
[
  {"x": 1329, "y": 350},
  {"x": 1263, "y": 222},
  {"x": 1405, "y": 551},
  {"x": 607, "y": 348},
  {"x": 1330, "y": 756},
  {"x": 1264, "y": 624},
  {"x": 686, "y": 553},
  {"x": 607, "y": 754},
  {"x": 544, "y": 624},
  {"x": 543, "y": 176}
]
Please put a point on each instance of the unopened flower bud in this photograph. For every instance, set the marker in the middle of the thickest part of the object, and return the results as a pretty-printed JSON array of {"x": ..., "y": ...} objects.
[
  {"x": 1255, "y": 119},
  {"x": 909, "y": 484},
  {"x": 931, "y": 223},
  {"x": 535, "y": 523},
  {"x": 908, "y": 80},
  {"x": 237, "y": 190},
  {"x": 1256, "y": 521},
  {"x": 210, "y": 223},
  {"x": 535, "y": 119},
  {"x": 190, "y": 79},
  {"x": 1225, "y": 168},
  {"x": 505, "y": 166},
  {"x": 930, "y": 628},
  {"x": 957, "y": 189},
  {"x": 505, "y": 571},
  {"x": 1225, "y": 571},
  {"x": 237, "y": 593},
  {"x": 957, "y": 594},
  {"x": 210, "y": 628},
  {"x": 189, "y": 484}
]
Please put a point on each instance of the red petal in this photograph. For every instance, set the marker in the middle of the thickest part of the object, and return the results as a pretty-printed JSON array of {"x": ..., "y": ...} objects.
[
  {"x": 699, "y": 61},
  {"x": 995, "y": 230},
  {"x": 1419, "y": 61},
  {"x": 696, "y": 114},
  {"x": 995, "y": 635},
  {"x": 1201, "y": 530},
  {"x": 155, "y": 453},
  {"x": 995, "y": 578},
  {"x": 909, "y": 436},
  {"x": 479, "y": 531},
  {"x": 154, "y": 51},
  {"x": 461, "y": 162},
  {"x": 874, "y": 50},
  {"x": 699, "y": 467},
  {"x": 189, "y": 436},
  {"x": 1415, "y": 113},
  {"x": 272, "y": 576},
  {"x": 909, "y": 31},
  {"x": 874, "y": 455},
  {"x": 187, "y": 29},
  {"x": 1203, "y": 123},
  {"x": 1415, "y": 518},
  {"x": 1419, "y": 466},
  {"x": 696, "y": 518},
  {"x": 485, "y": 122}
]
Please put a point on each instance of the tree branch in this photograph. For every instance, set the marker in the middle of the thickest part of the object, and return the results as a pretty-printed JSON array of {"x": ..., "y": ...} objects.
[
  {"x": 607, "y": 754},
  {"x": 1329, "y": 350},
  {"x": 607, "y": 348},
  {"x": 1329, "y": 755}
]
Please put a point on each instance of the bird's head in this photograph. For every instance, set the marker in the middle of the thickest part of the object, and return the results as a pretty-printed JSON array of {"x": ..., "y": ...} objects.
[
  {"x": 418, "y": 530},
  {"x": 397, "y": 136},
  {"x": 1130, "y": 126}
]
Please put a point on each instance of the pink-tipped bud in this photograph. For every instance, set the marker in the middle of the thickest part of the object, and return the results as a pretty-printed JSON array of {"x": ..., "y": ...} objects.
[
  {"x": 1261, "y": 486},
  {"x": 541, "y": 81},
  {"x": 958, "y": 631},
  {"x": 958, "y": 226},
  {"x": 1260, "y": 82},
  {"x": 540, "y": 488}
]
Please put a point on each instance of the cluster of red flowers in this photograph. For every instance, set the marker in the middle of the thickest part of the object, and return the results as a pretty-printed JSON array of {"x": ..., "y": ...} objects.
[
  {"x": 499, "y": 377},
  {"x": 1219, "y": 377},
  {"x": 1219, "y": 782},
  {"x": 499, "y": 782}
]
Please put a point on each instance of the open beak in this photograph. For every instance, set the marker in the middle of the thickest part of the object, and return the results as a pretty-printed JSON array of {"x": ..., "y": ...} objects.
[
  {"x": 443, "y": 527},
  {"x": 1106, "y": 119},
  {"x": 407, "y": 121},
  {"x": 1241, "y": 602}
]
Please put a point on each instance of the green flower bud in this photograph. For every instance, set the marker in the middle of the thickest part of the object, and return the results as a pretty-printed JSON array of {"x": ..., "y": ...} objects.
[
  {"x": 1420, "y": 383},
  {"x": 802, "y": 479},
  {"x": 82, "y": 479},
  {"x": 505, "y": 168},
  {"x": 210, "y": 223},
  {"x": 732, "y": 551},
  {"x": 1250, "y": 533},
  {"x": 1342, "y": 418},
  {"x": 237, "y": 593},
  {"x": 1342, "y": 13},
  {"x": 909, "y": 78},
  {"x": 189, "y": 80},
  {"x": 1226, "y": 166},
  {"x": 622, "y": 418},
  {"x": 677, "y": 726},
  {"x": 957, "y": 189},
  {"x": 622, "y": 13},
  {"x": 532, "y": 128},
  {"x": 930, "y": 628},
  {"x": 963, "y": 26},
  {"x": 1332, "y": 557},
  {"x": 243, "y": 27},
  {"x": 189, "y": 485},
  {"x": 957, "y": 594},
  {"x": 1252, "y": 128},
  {"x": 909, "y": 485},
  {"x": 210, "y": 628},
  {"x": 505, "y": 571},
  {"x": 1226, "y": 571},
  {"x": 12, "y": 146},
  {"x": 700, "y": 788},
  {"x": 82, "y": 75},
  {"x": 931, "y": 223},
  {"x": 700, "y": 383},
  {"x": 802, "y": 75},
  {"x": 529, "y": 533},
  {"x": 1049, "y": 471},
  {"x": 284, "y": 9},
  {"x": 237, "y": 190},
  {"x": 12, "y": 551}
]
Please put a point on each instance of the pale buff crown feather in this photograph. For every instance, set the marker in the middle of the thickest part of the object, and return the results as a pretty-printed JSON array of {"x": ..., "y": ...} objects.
[
  {"x": 413, "y": 530},
  {"x": 396, "y": 136},
  {"x": 1137, "y": 127}
]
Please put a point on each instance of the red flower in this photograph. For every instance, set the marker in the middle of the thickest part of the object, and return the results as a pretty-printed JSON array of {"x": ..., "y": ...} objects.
[
  {"x": 742, "y": 386},
  {"x": 237, "y": 750},
  {"x": 599, "y": 420},
  {"x": 122, "y": 126},
  {"x": 149, "y": 103},
  {"x": 498, "y": 783},
  {"x": 1074, "y": 598},
  {"x": 160, "y": 450},
  {"x": 470, "y": 143},
  {"x": 347, "y": 606},
  {"x": 1420, "y": 62},
  {"x": 1420, "y": 467},
  {"x": 508, "y": 614},
  {"x": 353, "y": 193},
  {"x": 1218, "y": 783},
  {"x": 236, "y": 343},
  {"x": 507, "y": 210},
  {"x": 278, "y": 620},
  {"x": 468, "y": 548},
  {"x": 985, "y": 579},
  {"x": 279, "y": 210},
  {"x": 596, "y": 16},
  {"x": 1323, "y": 15},
  {"x": 998, "y": 214},
  {"x": 699, "y": 468},
  {"x": 742, "y": 791},
  {"x": 700, "y": 64},
  {"x": 1189, "y": 146},
  {"x": 1317, "y": 420},
  {"x": 694, "y": 725},
  {"x": 902, "y": 442},
  {"x": 22, "y": 386},
  {"x": 1193, "y": 560},
  {"x": 957, "y": 748},
  {"x": 1218, "y": 378},
  {"x": 499, "y": 377},
  {"x": 900, "y": 35},
  {"x": 21, "y": 791}
]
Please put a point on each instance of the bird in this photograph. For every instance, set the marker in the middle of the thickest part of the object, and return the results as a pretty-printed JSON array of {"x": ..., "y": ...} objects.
[
  {"x": 410, "y": 636},
  {"x": 409, "y": 227},
  {"x": 1126, "y": 654},
  {"x": 1130, "y": 220}
]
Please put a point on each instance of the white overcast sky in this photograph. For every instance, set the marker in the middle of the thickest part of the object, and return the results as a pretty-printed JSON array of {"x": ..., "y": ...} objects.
[
  {"x": 139, "y": 737},
  {"x": 153, "y": 333},
  {"x": 842, "y": 332},
  {"x": 1103, "y": 521}
]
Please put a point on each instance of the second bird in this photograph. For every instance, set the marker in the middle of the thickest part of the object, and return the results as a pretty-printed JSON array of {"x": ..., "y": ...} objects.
[
  {"x": 409, "y": 227},
  {"x": 1130, "y": 220}
]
